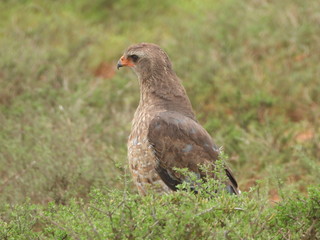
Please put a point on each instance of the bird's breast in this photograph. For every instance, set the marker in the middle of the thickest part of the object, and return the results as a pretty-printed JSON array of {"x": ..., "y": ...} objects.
[{"x": 142, "y": 160}]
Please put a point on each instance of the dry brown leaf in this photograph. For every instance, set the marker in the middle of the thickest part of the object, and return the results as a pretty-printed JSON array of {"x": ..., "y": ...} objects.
[{"x": 305, "y": 136}]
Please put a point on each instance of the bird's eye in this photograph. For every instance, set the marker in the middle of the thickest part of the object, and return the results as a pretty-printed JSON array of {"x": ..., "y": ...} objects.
[{"x": 134, "y": 57}]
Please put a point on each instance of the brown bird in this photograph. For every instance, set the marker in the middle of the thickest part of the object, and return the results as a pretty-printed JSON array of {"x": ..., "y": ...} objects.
[{"x": 165, "y": 133}]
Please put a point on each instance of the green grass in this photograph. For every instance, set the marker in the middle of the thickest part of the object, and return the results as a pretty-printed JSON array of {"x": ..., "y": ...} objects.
[{"x": 250, "y": 69}]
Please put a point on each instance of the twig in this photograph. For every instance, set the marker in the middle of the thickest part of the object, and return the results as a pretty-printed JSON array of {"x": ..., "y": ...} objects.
[
  {"x": 91, "y": 224},
  {"x": 71, "y": 232},
  {"x": 212, "y": 208},
  {"x": 148, "y": 234}
]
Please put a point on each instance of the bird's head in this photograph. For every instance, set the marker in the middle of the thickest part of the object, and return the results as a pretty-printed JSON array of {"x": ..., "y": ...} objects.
[{"x": 145, "y": 59}]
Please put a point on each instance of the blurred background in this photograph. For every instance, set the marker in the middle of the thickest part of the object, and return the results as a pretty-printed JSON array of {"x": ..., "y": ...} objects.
[{"x": 251, "y": 70}]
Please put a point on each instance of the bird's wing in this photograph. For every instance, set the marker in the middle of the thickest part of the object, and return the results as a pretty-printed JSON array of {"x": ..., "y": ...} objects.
[{"x": 180, "y": 142}]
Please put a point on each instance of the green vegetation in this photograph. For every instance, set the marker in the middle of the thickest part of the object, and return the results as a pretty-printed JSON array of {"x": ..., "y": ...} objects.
[
  {"x": 122, "y": 215},
  {"x": 251, "y": 70}
]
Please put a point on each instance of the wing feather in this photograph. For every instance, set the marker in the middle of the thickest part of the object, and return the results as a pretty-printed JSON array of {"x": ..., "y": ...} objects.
[{"x": 180, "y": 142}]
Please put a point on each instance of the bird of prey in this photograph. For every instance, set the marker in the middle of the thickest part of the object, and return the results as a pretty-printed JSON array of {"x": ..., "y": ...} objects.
[{"x": 165, "y": 134}]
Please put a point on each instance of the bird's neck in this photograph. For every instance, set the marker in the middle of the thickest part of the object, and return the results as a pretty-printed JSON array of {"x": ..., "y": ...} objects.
[{"x": 165, "y": 92}]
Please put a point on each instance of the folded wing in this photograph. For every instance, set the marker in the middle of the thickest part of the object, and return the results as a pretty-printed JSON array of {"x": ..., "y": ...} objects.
[{"x": 180, "y": 142}]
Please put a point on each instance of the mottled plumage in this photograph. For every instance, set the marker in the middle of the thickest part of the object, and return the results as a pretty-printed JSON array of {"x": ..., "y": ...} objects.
[{"x": 165, "y": 133}]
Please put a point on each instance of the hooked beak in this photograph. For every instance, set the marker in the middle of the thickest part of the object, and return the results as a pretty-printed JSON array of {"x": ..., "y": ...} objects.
[{"x": 124, "y": 62}]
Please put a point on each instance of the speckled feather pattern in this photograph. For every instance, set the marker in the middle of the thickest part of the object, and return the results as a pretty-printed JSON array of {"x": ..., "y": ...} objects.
[{"x": 142, "y": 160}]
